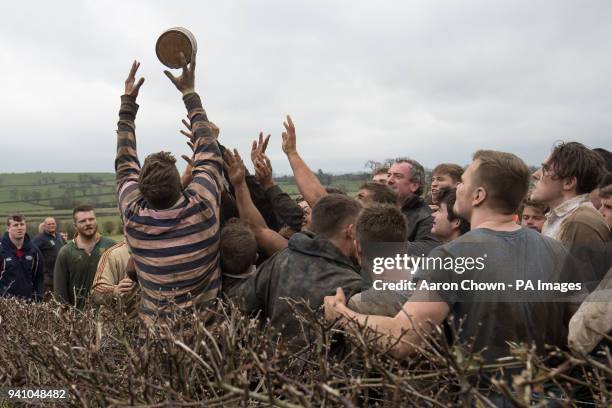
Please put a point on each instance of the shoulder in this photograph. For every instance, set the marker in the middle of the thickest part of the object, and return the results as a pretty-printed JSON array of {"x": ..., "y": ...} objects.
[
  {"x": 587, "y": 215},
  {"x": 107, "y": 242}
]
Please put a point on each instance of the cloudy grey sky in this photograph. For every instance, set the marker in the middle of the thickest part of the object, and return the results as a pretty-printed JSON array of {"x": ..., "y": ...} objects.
[{"x": 433, "y": 80}]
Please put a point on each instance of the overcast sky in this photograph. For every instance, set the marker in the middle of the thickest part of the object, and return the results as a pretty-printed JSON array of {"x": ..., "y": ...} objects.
[{"x": 433, "y": 80}]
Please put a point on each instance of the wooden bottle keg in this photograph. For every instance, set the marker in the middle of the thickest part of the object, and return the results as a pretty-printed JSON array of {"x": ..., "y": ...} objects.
[{"x": 172, "y": 42}]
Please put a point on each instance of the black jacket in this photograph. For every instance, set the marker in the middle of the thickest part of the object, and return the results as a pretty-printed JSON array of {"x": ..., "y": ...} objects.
[
  {"x": 21, "y": 276},
  {"x": 310, "y": 268},
  {"x": 420, "y": 221},
  {"x": 49, "y": 247}
]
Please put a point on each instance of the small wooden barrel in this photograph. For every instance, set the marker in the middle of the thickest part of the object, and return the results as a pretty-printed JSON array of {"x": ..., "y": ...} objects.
[{"x": 170, "y": 44}]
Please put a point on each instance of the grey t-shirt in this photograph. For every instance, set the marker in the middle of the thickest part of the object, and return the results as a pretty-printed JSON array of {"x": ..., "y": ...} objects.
[{"x": 501, "y": 314}]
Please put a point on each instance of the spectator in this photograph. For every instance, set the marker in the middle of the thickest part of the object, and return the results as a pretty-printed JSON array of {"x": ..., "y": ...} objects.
[
  {"x": 594, "y": 195},
  {"x": 407, "y": 179},
  {"x": 49, "y": 242},
  {"x": 444, "y": 175},
  {"x": 380, "y": 175},
  {"x": 307, "y": 212},
  {"x": 77, "y": 261},
  {"x": 377, "y": 229},
  {"x": 605, "y": 195},
  {"x": 379, "y": 193},
  {"x": 112, "y": 282},
  {"x": 532, "y": 214},
  {"x": 563, "y": 183},
  {"x": 21, "y": 264},
  {"x": 238, "y": 256},
  {"x": 173, "y": 234},
  {"x": 447, "y": 226}
]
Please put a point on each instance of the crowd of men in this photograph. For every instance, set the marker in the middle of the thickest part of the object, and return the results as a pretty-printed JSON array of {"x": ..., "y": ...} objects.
[{"x": 219, "y": 232}]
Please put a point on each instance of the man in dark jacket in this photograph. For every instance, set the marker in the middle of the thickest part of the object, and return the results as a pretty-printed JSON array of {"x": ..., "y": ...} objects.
[
  {"x": 49, "y": 242},
  {"x": 21, "y": 267},
  {"x": 407, "y": 178},
  {"x": 309, "y": 268}
]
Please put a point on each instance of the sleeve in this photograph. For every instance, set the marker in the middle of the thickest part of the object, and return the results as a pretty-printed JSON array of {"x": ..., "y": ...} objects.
[
  {"x": 286, "y": 209},
  {"x": 207, "y": 162},
  {"x": 38, "y": 275},
  {"x": 61, "y": 279},
  {"x": 258, "y": 196},
  {"x": 592, "y": 318},
  {"x": 127, "y": 166},
  {"x": 106, "y": 279}
]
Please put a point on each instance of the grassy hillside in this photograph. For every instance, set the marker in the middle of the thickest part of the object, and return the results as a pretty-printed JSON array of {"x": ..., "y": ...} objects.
[{"x": 40, "y": 195}]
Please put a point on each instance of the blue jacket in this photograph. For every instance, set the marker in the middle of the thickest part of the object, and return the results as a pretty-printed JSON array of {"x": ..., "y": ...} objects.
[{"x": 21, "y": 277}]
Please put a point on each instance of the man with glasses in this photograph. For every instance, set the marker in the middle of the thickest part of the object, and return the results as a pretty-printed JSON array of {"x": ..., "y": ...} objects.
[{"x": 563, "y": 183}]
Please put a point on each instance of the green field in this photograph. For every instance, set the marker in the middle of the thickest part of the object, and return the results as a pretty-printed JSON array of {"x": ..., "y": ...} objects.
[{"x": 39, "y": 195}]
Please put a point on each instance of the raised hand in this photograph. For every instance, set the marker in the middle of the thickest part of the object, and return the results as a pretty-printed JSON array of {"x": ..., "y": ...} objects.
[
  {"x": 131, "y": 88},
  {"x": 289, "y": 137},
  {"x": 234, "y": 167},
  {"x": 263, "y": 171},
  {"x": 186, "y": 82},
  {"x": 259, "y": 147}
]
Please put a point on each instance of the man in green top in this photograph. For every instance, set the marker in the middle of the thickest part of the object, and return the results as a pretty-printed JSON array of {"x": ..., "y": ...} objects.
[{"x": 77, "y": 261}]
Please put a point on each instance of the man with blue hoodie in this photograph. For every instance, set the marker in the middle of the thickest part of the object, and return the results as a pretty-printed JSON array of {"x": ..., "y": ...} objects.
[{"x": 21, "y": 267}]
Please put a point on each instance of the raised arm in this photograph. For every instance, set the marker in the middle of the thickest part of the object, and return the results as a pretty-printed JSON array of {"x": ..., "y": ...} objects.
[
  {"x": 207, "y": 162},
  {"x": 414, "y": 318},
  {"x": 268, "y": 240},
  {"x": 127, "y": 166},
  {"x": 283, "y": 206},
  {"x": 307, "y": 182}
]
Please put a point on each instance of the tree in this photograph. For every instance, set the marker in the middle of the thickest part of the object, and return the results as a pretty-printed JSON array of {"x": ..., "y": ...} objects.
[{"x": 108, "y": 227}]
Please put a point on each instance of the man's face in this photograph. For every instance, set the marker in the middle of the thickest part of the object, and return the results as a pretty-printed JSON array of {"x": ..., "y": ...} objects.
[
  {"x": 532, "y": 218},
  {"x": 399, "y": 181},
  {"x": 380, "y": 178},
  {"x": 50, "y": 226},
  {"x": 465, "y": 190},
  {"x": 548, "y": 189},
  {"x": 442, "y": 227},
  {"x": 606, "y": 209},
  {"x": 438, "y": 182},
  {"x": 307, "y": 214},
  {"x": 16, "y": 229},
  {"x": 85, "y": 223}
]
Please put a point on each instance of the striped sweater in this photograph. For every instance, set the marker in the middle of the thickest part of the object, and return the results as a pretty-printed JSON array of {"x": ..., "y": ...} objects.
[{"x": 176, "y": 250}]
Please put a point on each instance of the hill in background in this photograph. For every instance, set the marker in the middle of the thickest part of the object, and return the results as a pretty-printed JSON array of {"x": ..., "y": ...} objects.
[{"x": 39, "y": 195}]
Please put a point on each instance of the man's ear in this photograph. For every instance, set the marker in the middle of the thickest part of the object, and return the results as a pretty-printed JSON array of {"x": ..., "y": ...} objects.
[
  {"x": 348, "y": 232},
  {"x": 414, "y": 187},
  {"x": 480, "y": 195},
  {"x": 455, "y": 223},
  {"x": 569, "y": 184}
]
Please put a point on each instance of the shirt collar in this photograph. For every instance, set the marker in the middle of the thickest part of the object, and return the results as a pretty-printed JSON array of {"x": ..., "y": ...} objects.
[{"x": 568, "y": 206}]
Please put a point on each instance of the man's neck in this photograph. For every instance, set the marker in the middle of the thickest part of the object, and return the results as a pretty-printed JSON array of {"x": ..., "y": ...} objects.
[
  {"x": 17, "y": 242},
  {"x": 343, "y": 246},
  {"x": 485, "y": 218},
  {"x": 83, "y": 241},
  {"x": 565, "y": 196}
]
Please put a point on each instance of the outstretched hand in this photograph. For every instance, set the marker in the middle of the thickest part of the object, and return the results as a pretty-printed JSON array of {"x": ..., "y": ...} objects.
[
  {"x": 186, "y": 82},
  {"x": 131, "y": 88},
  {"x": 289, "y": 137},
  {"x": 259, "y": 147},
  {"x": 263, "y": 171},
  {"x": 234, "y": 167}
]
